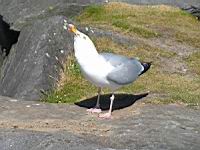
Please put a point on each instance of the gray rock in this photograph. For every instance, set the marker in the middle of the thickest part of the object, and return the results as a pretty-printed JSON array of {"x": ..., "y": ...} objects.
[
  {"x": 41, "y": 126},
  {"x": 23, "y": 12},
  {"x": 159, "y": 127},
  {"x": 35, "y": 62},
  {"x": 34, "y": 140},
  {"x": 194, "y": 10}
]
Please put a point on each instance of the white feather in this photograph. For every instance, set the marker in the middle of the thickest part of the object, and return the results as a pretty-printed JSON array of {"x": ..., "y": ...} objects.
[{"x": 94, "y": 67}]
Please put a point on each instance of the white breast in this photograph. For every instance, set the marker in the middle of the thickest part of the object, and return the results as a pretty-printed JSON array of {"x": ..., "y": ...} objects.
[{"x": 93, "y": 66}]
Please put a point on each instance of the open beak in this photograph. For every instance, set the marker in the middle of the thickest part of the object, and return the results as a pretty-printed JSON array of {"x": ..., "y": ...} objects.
[{"x": 72, "y": 28}]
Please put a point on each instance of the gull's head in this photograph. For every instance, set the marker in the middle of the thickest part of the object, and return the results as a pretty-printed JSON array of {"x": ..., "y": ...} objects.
[{"x": 72, "y": 28}]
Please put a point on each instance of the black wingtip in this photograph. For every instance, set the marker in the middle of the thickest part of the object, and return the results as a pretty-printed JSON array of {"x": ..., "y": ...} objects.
[{"x": 146, "y": 66}]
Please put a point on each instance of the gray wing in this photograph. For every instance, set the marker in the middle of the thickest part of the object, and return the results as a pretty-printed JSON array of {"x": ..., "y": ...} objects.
[
  {"x": 126, "y": 69},
  {"x": 114, "y": 59}
]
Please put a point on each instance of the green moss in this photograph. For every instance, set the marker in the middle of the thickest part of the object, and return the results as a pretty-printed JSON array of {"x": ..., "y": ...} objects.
[
  {"x": 73, "y": 68},
  {"x": 193, "y": 62},
  {"x": 192, "y": 40},
  {"x": 121, "y": 24},
  {"x": 144, "y": 21},
  {"x": 73, "y": 87},
  {"x": 100, "y": 14},
  {"x": 94, "y": 12},
  {"x": 139, "y": 30},
  {"x": 177, "y": 87},
  {"x": 144, "y": 32}
]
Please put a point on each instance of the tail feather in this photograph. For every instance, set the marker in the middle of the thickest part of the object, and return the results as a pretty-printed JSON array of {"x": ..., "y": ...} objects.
[{"x": 146, "y": 67}]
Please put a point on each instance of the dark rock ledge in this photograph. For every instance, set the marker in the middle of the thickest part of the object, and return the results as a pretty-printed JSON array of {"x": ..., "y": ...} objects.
[{"x": 41, "y": 126}]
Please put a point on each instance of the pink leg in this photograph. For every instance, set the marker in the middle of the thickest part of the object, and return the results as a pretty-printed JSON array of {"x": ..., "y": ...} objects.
[
  {"x": 108, "y": 115},
  {"x": 97, "y": 108},
  {"x": 94, "y": 110}
]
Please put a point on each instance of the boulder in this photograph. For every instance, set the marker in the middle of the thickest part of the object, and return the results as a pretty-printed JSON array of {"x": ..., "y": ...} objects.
[
  {"x": 35, "y": 62},
  {"x": 23, "y": 12},
  {"x": 194, "y": 10}
]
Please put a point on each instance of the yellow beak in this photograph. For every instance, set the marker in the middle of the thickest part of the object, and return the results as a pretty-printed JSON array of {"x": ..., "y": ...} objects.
[{"x": 72, "y": 28}]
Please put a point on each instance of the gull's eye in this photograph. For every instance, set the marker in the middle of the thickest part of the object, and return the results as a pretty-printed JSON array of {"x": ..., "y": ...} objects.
[{"x": 84, "y": 37}]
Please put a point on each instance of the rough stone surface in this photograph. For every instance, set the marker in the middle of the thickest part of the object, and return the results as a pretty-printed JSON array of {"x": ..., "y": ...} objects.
[
  {"x": 23, "y": 12},
  {"x": 34, "y": 140},
  {"x": 35, "y": 62},
  {"x": 194, "y": 10},
  {"x": 40, "y": 126}
]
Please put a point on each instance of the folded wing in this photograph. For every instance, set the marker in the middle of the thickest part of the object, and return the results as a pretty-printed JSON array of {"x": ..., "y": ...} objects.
[{"x": 126, "y": 70}]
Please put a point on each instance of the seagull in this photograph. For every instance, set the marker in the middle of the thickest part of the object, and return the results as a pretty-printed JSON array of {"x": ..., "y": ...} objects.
[{"x": 104, "y": 69}]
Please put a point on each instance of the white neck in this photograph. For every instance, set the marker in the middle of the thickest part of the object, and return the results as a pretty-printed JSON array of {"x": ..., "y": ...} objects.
[{"x": 84, "y": 48}]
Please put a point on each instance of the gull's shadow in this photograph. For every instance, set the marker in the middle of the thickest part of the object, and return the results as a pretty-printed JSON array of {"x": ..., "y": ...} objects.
[{"x": 121, "y": 101}]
